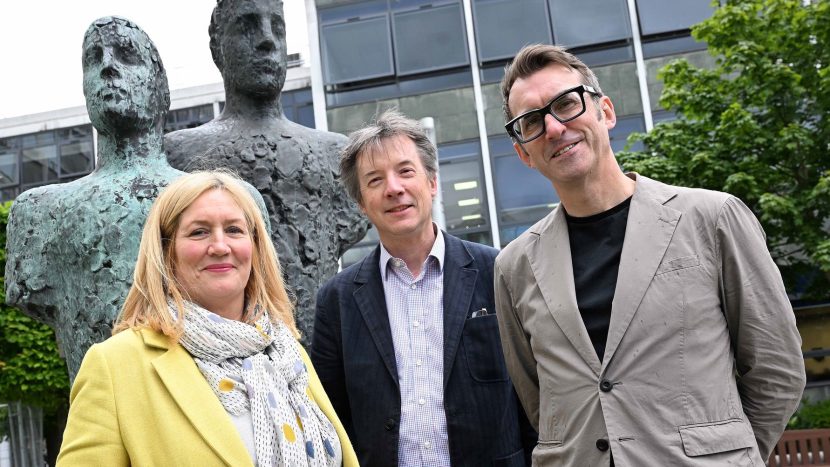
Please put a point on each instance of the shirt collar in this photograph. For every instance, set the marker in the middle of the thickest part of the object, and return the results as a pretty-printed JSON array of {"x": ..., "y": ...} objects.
[{"x": 437, "y": 252}]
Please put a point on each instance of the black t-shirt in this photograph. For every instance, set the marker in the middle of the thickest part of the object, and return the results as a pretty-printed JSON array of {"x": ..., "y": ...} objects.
[{"x": 596, "y": 245}]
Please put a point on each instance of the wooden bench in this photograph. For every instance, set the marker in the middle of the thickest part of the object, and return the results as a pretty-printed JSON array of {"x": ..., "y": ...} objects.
[{"x": 802, "y": 447}]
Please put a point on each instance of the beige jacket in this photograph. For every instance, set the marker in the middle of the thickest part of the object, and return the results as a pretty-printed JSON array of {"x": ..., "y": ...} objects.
[{"x": 703, "y": 364}]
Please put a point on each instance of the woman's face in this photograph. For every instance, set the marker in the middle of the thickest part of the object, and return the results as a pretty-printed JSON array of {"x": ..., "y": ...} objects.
[{"x": 212, "y": 249}]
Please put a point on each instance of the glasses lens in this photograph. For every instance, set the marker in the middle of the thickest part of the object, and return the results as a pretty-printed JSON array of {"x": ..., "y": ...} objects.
[
  {"x": 529, "y": 126},
  {"x": 567, "y": 106}
]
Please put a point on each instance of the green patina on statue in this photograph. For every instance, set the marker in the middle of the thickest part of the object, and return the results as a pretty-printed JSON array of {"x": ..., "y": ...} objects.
[{"x": 71, "y": 248}]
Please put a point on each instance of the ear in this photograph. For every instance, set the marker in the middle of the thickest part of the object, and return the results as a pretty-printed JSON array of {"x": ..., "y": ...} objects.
[
  {"x": 433, "y": 185},
  {"x": 606, "y": 108},
  {"x": 523, "y": 155}
]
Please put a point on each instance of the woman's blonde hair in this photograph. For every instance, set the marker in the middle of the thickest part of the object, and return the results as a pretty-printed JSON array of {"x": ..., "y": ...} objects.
[{"x": 154, "y": 278}]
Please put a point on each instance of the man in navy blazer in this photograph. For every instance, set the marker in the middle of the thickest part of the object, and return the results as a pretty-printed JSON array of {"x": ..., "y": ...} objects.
[{"x": 406, "y": 341}]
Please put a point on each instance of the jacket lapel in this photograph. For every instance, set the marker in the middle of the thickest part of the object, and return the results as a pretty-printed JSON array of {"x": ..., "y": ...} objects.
[
  {"x": 649, "y": 230},
  {"x": 550, "y": 261},
  {"x": 200, "y": 405},
  {"x": 371, "y": 302},
  {"x": 460, "y": 275}
]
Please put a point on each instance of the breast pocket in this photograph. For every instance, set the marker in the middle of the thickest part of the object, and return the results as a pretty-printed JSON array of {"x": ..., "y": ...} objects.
[{"x": 482, "y": 349}]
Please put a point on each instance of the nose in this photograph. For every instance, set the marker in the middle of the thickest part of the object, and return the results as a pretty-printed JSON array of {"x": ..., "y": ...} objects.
[
  {"x": 553, "y": 127},
  {"x": 394, "y": 186},
  {"x": 109, "y": 70},
  {"x": 266, "y": 42},
  {"x": 218, "y": 246}
]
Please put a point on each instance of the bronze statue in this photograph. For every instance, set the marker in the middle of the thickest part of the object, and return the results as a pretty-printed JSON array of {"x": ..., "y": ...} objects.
[
  {"x": 71, "y": 248},
  {"x": 294, "y": 167}
]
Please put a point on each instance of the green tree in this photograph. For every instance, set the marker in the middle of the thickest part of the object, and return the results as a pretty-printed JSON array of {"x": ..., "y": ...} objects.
[
  {"x": 31, "y": 370},
  {"x": 756, "y": 126}
]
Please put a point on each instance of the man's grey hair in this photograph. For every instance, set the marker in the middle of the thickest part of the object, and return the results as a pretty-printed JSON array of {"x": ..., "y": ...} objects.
[{"x": 369, "y": 140}]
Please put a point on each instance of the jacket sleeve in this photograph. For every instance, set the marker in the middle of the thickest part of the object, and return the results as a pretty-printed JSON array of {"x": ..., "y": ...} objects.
[
  {"x": 326, "y": 354},
  {"x": 518, "y": 355},
  {"x": 92, "y": 435},
  {"x": 767, "y": 345}
]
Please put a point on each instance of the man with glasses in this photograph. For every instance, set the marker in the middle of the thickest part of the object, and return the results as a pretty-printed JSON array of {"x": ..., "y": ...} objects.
[{"x": 642, "y": 324}]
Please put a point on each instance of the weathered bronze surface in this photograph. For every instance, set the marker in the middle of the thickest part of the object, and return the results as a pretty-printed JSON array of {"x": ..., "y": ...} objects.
[
  {"x": 71, "y": 248},
  {"x": 294, "y": 167}
]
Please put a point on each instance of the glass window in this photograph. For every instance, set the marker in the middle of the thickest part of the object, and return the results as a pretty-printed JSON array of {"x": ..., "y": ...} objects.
[
  {"x": 584, "y": 22},
  {"x": 8, "y": 194},
  {"x": 190, "y": 117},
  {"x": 658, "y": 16},
  {"x": 493, "y": 113},
  {"x": 454, "y": 112},
  {"x": 462, "y": 189},
  {"x": 659, "y": 46},
  {"x": 619, "y": 82},
  {"x": 305, "y": 115},
  {"x": 356, "y": 50},
  {"x": 40, "y": 164},
  {"x": 8, "y": 168},
  {"x": 38, "y": 139},
  {"x": 298, "y": 106},
  {"x": 429, "y": 38},
  {"x": 504, "y": 26},
  {"x": 624, "y": 127},
  {"x": 77, "y": 158}
]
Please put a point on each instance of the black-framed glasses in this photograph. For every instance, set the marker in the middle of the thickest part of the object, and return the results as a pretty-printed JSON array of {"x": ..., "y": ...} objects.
[{"x": 565, "y": 107}]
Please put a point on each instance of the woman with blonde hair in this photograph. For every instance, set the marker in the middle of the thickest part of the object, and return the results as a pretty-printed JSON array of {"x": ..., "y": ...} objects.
[{"x": 203, "y": 367}]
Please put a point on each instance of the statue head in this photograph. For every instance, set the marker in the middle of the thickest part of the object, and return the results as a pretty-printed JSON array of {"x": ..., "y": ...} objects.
[
  {"x": 247, "y": 42},
  {"x": 125, "y": 84}
]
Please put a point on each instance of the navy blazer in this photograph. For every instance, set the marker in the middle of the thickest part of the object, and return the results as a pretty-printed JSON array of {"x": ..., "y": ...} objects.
[{"x": 353, "y": 353}]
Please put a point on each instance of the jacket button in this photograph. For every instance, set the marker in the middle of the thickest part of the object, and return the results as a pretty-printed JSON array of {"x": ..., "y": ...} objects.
[
  {"x": 606, "y": 386},
  {"x": 390, "y": 424},
  {"x": 602, "y": 444}
]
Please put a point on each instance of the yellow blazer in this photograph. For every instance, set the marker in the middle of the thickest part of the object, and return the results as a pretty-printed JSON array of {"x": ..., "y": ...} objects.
[{"x": 138, "y": 400}]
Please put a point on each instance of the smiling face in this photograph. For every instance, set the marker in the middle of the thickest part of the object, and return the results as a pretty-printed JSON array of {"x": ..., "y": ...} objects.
[
  {"x": 212, "y": 253},
  {"x": 121, "y": 82},
  {"x": 250, "y": 40},
  {"x": 571, "y": 152},
  {"x": 396, "y": 191}
]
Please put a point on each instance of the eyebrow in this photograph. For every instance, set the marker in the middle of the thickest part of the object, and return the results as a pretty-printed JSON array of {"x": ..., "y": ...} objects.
[{"x": 549, "y": 101}]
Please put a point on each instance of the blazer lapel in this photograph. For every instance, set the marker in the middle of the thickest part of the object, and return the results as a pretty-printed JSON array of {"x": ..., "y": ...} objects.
[
  {"x": 200, "y": 405},
  {"x": 460, "y": 275},
  {"x": 649, "y": 230},
  {"x": 550, "y": 261},
  {"x": 371, "y": 302}
]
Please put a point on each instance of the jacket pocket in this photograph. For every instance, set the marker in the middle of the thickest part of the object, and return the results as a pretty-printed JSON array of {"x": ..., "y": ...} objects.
[
  {"x": 678, "y": 263},
  {"x": 716, "y": 437},
  {"x": 482, "y": 349}
]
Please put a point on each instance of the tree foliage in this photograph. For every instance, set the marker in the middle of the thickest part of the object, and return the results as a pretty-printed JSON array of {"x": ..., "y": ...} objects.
[
  {"x": 31, "y": 370},
  {"x": 756, "y": 126}
]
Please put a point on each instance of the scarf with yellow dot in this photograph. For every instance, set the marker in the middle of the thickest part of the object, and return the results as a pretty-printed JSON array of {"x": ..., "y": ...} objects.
[{"x": 256, "y": 367}]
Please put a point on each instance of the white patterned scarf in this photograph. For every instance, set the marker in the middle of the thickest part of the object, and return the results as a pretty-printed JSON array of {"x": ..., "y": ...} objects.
[{"x": 257, "y": 368}]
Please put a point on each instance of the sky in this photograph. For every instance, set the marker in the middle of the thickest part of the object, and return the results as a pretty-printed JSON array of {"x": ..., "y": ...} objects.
[{"x": 40, "y": 45}]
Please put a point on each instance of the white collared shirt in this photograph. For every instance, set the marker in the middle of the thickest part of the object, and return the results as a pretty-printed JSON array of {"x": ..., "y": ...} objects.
[{"x": 416, "y": 315}]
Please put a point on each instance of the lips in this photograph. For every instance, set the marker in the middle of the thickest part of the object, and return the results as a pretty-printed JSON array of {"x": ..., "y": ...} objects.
[
  {"x": 219, "y": 267},
  {"x": 564, "y": 149},
  {"x": 399, "y": 208}
]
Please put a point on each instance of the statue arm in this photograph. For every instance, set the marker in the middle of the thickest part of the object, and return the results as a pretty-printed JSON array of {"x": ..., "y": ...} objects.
[{"x": 30, "y": 227}]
